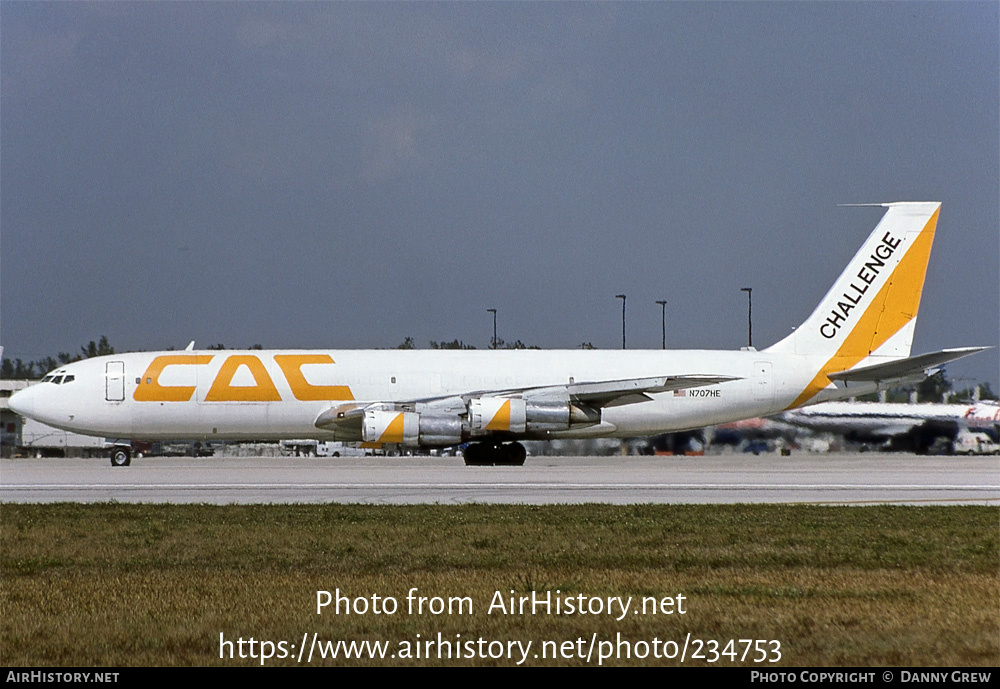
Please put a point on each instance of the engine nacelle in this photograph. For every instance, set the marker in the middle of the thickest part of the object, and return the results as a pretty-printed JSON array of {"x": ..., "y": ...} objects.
[
  {"x": 499, "y": 414},
  {"x": 410, "y": 429},
  {"x": 511, "y": 415},
  {"x": 440, "y": 431},
  {"x": 382, "y": 426}
]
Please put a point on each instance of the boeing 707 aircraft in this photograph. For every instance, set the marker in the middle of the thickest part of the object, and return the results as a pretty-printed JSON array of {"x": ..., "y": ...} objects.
[{"x": 855, "y": 342}]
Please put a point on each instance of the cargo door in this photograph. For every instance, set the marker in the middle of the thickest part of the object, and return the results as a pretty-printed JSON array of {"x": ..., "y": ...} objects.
[{"x": 114, "y": 386}]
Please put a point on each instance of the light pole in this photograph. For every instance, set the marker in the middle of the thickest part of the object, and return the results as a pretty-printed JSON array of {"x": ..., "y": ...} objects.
[
  {"x": 493, "y": 344},
  {"x": 749, "y": 291},
  {"x": 663, "y": 321},
  {"x": 622, "y": 297}
]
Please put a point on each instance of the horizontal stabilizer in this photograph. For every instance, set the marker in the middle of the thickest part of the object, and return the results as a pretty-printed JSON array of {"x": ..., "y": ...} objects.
[{"x": 903, "y": 368}]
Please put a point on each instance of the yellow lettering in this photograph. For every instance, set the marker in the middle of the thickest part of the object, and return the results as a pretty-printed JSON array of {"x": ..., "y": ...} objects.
[
  {"x": 152, "y": 391},
  {"x": 223, "y": 390},
  {"x": 291, "y": 365}
]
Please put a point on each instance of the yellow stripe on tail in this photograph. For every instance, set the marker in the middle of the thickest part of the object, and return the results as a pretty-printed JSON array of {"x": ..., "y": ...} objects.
[{"x": 871, "y": 309}]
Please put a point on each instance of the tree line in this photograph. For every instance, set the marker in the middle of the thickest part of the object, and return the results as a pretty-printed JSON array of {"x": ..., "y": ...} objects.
[
  {"x": 18, "y": 369},
  {"x": 409, "y": 343}
]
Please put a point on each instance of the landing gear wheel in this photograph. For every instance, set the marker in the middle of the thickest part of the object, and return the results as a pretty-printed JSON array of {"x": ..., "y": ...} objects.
[
  {"x": 121, "y": 457},
  {"x": 515, "y": 454},
  {"x": 478, "y": 455},
  {"x": 487, "y": 454}
]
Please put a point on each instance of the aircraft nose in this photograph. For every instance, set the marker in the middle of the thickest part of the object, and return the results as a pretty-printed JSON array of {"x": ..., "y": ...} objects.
[{"x": 23, "y": 402}]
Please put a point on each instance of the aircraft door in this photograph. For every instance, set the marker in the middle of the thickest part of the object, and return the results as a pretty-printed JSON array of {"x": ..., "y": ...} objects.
[
  {"x": 114, "y": 386},
  {"x": 763, "y": 390}
]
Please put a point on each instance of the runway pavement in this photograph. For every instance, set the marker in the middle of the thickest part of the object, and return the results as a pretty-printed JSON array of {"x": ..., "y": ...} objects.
[{"x": 859, "y": 479}]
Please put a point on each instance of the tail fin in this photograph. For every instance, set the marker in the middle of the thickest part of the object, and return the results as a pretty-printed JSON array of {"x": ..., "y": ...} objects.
[{"x": 871, "y": 310}]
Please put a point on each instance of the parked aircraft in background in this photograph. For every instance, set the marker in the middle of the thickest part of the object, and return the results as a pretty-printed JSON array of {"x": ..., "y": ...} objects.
[
  {"x": 855, "y": 342},
  {"x": 914, "y": 427}
]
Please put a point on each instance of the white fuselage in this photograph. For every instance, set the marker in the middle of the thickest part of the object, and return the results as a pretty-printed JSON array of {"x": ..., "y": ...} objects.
[{"x": 244, "y": 395}]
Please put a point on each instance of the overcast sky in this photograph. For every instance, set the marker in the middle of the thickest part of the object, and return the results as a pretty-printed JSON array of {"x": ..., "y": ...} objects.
[{"x": 345, "y": 175}]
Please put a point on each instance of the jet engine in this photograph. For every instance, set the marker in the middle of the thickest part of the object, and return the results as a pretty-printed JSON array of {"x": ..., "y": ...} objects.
[
  {"x": 410, "y": 428},
  {"x": 512, "y": 415}
]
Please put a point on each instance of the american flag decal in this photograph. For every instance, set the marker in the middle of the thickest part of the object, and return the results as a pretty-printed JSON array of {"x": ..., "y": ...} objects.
[{"x": 680, "y": 393}]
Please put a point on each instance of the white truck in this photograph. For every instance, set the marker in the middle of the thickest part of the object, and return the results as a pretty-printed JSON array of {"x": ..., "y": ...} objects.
[
  {"x": 316, "y": 448},
  {"x": 972, "y": 442}
]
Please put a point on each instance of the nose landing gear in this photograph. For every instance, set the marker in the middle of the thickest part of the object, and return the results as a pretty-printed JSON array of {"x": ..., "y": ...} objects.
[{"x": 121, "y": 456}]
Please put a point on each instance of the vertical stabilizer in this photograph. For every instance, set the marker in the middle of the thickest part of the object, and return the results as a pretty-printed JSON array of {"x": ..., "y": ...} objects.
[{"x": 871, "y": 310}]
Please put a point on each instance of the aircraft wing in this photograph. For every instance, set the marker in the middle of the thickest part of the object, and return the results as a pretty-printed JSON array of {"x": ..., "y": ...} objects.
[
  {"x": 914, "y": 367},
  {"x": 592, "y": 395},
  {"x": 615, "y": 393}
]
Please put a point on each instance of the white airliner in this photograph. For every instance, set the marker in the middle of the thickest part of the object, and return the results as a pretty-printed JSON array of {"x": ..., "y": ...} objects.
[
  {"x": 909, "y": 426},
  {"x": 855, "y": 342}
]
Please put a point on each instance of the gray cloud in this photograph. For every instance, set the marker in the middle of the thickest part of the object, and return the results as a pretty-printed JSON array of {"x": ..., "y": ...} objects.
[{"x": 349, "y": 174}]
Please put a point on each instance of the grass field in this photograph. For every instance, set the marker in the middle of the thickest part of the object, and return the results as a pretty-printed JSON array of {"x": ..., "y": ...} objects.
[{"x": 123, "y": 585}]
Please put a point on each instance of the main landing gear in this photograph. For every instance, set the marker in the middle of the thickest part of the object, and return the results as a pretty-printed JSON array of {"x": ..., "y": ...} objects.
[
  {"x": 121, "y": 456},
  {"x": 490, "y": 454}
]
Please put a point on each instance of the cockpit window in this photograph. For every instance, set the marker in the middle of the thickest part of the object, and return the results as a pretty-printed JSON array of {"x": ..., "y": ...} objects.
[
  {"x": 46, "y": 379},
  {"x": 57, "y": 380},
  {"x": 69, "y": 379}
]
